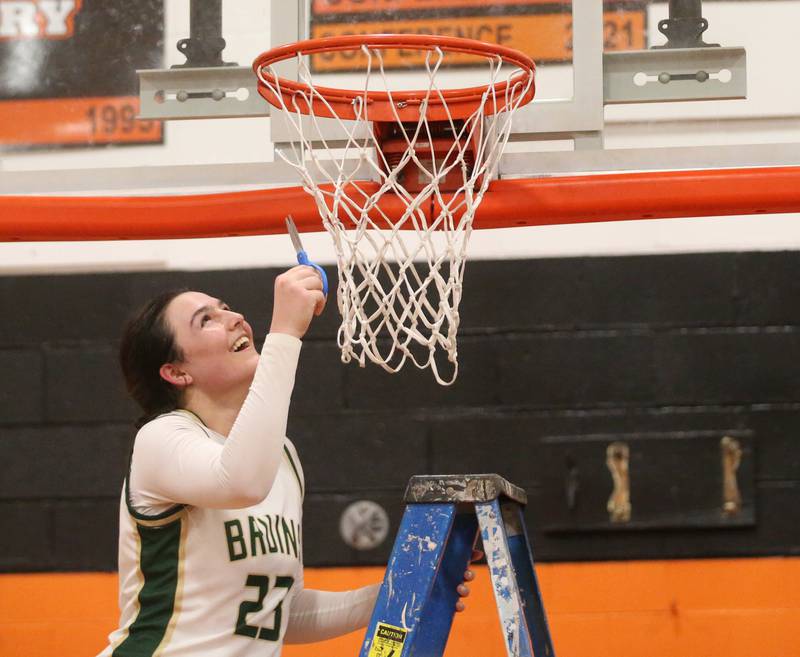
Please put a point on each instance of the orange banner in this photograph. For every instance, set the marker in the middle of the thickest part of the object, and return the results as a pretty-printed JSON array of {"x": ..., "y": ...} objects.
[
  {"x": 75, "y": 121},
  {"x": 545, "y": 37},
  {"x": 320, "y": 7}
]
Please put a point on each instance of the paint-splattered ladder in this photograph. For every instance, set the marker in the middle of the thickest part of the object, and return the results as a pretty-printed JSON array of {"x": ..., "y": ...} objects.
[{"x": 443, "y": 515}]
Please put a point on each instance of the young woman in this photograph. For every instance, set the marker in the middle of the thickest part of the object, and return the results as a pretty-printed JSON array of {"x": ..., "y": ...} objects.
[{"x": 210, "y": 548}]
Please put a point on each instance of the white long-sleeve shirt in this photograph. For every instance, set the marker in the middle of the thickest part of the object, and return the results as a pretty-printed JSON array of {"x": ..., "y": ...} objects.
[{"x": 210, "y": 550}]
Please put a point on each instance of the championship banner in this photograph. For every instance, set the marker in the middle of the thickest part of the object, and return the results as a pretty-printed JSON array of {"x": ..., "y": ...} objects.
[
  {"x": 540, "y": 28},
  {"x": 68, "y": 71}
]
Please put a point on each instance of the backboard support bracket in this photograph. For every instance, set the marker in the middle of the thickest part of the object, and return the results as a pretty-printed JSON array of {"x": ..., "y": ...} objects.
[
  {"x": 674, "y": 74},
  {"x": 644, "y": 76},
  {"x": 199, "y": 93},
  {"x": 205, "y": 44}
]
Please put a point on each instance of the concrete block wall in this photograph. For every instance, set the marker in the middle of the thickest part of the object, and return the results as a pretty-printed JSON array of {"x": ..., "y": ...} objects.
[{"x": 613, "y": 346}]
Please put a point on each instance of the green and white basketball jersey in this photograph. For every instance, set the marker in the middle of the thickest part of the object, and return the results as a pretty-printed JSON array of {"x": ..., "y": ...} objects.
[{"x": 211, "y": 582}]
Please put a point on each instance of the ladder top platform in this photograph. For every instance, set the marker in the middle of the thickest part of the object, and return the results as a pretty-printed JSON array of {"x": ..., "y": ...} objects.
[{"x": 461, "y": 488}]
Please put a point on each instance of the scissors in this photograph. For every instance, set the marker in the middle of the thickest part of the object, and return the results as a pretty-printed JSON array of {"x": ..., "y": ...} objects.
[{"x": 302, "y": 256}]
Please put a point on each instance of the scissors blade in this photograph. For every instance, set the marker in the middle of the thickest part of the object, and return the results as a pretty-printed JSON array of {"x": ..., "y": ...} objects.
[{"x": 293, "y": 234}]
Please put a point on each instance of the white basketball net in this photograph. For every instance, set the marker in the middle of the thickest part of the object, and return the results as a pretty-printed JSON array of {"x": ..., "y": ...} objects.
[{"x": 400, "y": 273}]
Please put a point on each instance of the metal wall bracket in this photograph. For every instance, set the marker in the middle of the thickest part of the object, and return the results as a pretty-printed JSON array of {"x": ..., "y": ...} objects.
[
  {"x": 676, "y": 480},
  {"x": 674, "y": 74},
  {"x": 205, "y": 44},
  {"x": 198, "y": 93},
  {"x": 685, "y": 26}
]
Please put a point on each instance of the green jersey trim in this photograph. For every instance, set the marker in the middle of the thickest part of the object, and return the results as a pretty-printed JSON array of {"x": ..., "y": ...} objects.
[
  {"x": 163, "y": 518},
  {"x": 296, "y": 471},
  {"x": 160, "y": 565},
  {"x": 172, "y": 512}
]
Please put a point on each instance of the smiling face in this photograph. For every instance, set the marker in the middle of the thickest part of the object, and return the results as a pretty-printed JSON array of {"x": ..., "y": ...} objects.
[{"x": 219, "y": 356}]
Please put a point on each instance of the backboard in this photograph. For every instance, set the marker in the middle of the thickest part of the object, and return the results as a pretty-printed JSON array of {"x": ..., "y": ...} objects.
[{"x": 603, "y": 104}]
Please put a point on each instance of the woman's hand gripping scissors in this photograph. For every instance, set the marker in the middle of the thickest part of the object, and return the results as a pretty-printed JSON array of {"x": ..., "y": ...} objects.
[{"x": 302, "y": 256}]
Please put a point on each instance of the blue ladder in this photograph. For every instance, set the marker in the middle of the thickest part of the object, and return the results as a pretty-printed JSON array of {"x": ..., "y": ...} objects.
[{"x": 416, "y": 603}]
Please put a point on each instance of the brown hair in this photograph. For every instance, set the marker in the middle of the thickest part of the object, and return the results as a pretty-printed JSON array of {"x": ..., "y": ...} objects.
[{"x": 147, "y": 343}]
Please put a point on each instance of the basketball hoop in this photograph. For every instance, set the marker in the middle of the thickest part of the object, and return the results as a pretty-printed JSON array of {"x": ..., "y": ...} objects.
[{"x": 402, "y": 160}]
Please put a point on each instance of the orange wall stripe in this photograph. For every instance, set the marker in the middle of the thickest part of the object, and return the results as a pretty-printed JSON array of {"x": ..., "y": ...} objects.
[
  {"x": 692, "y": 608},
  {"x": 507, "y": 203}
]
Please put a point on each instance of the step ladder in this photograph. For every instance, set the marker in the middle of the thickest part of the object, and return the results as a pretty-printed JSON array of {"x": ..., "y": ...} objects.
[{"x": 444, "y": 513}]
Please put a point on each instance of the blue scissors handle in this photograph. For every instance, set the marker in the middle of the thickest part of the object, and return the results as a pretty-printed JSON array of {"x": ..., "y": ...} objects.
[{"x": 302, "y": 258}]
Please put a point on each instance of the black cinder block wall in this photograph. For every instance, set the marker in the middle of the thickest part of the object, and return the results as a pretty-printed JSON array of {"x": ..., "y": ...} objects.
[{"x": 560, "y": 358}]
